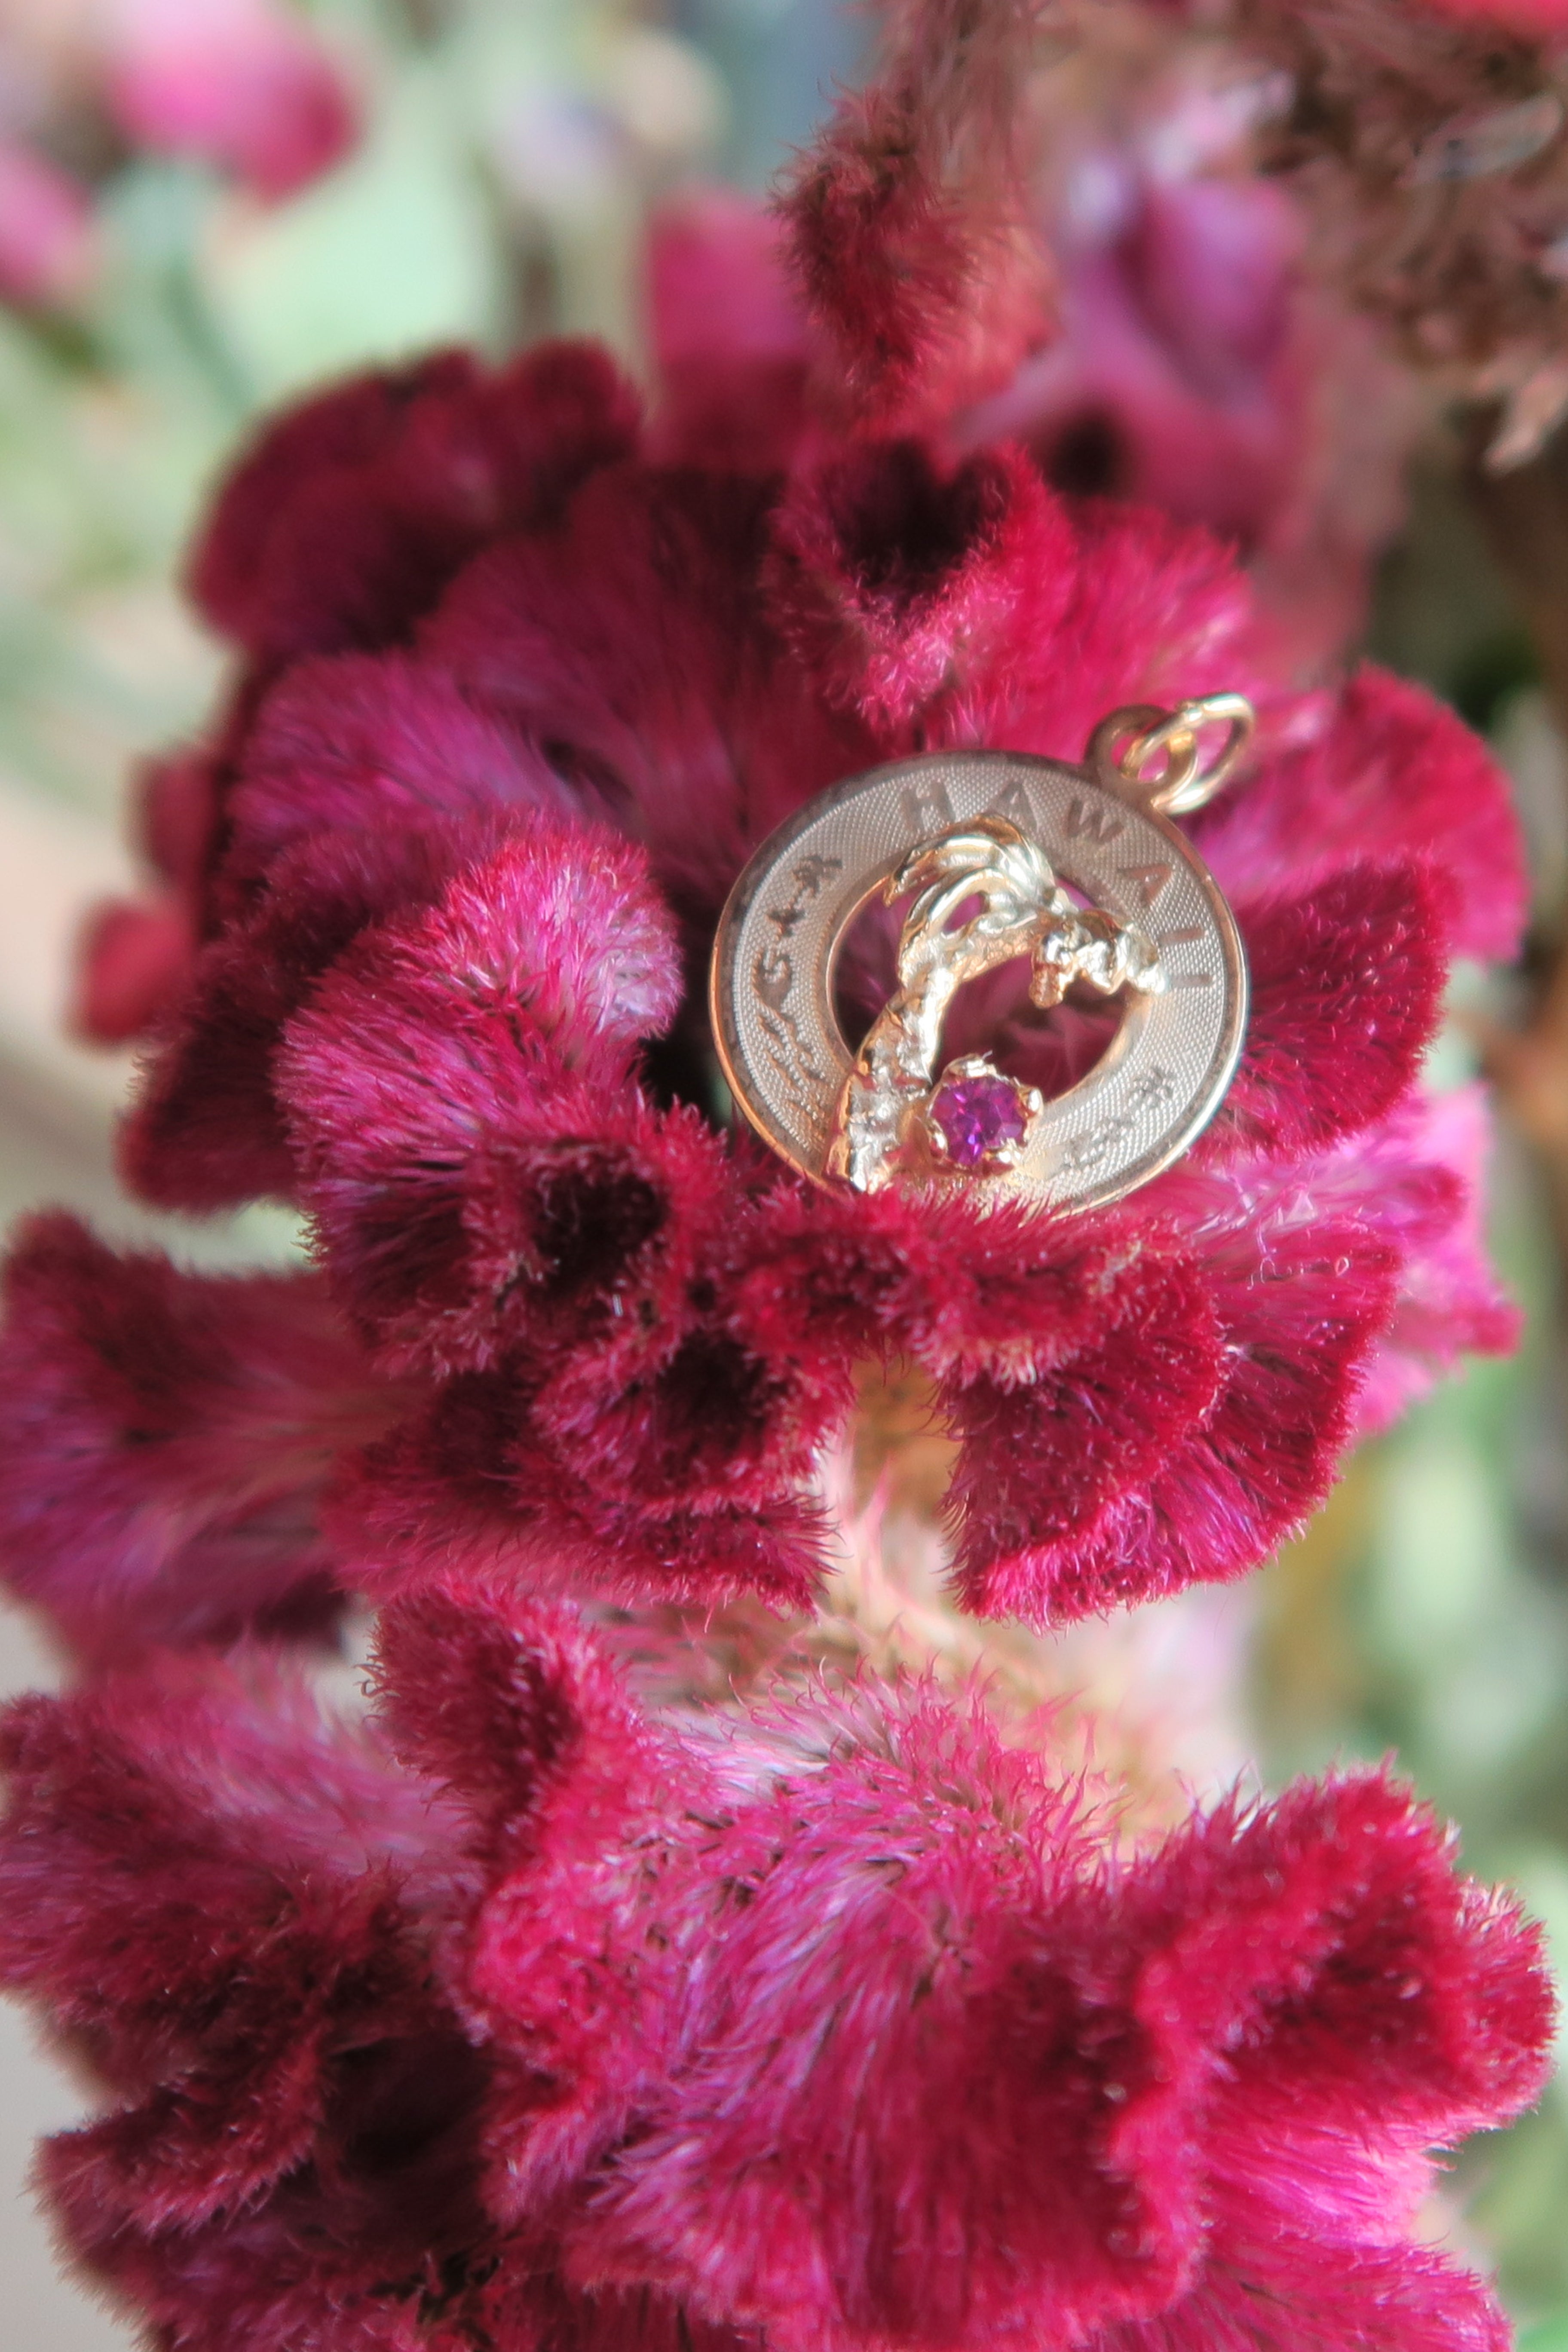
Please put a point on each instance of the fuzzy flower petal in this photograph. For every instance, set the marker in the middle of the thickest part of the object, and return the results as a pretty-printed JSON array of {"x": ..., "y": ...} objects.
[
  {"x": 457, "y": 872},
  {"x": 447, "y": 1089},
  {"x": 349, "y": 516},
  {"x": 1393, "y": 775},
  {"x": 1248, "y": 1452},
  {"x": 554, "y": 2017},
  {"x": 215, "y": 1895},
  {"x": 1345, "y": 994},
  {"x": 908, "y": 219},
  {"x": 471, "y": 1479},
  {"x": 133, "y": 958},
  {"x": 730, "y": 344},
  {"x": 203, "y": 1129},
  {"x": 1432, "y": 1159},
  {"x": 635, "y": 647},
  {"x": 164, "y": 1438},
  {"x": 362, "y": 741},
  {"x": 920, "y": 595}
]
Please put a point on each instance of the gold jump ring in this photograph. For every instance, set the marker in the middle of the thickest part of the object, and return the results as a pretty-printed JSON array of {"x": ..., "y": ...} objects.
[{"x": 1143, "y": 732}]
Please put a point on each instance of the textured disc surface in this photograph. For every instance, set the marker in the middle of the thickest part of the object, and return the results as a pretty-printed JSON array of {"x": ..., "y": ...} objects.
[{"x": 1166, "y": 1070}]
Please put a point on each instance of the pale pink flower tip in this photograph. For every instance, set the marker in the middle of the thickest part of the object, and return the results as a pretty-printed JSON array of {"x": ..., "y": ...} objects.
[
  {"x": 242, "y": 84},
  {"x": 46, "y": 242}
]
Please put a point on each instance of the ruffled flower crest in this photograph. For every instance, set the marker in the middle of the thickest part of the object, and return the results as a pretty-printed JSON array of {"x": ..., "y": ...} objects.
[
  {"x": 520, "y": 2011},
  {"x": 450, "y": 1005},
  {"x": 564, "y": 2026}
]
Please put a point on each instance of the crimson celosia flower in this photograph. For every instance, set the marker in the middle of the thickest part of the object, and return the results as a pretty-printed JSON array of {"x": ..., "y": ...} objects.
[
  {"x": 1193, "y": 369},
  {"x": 1199, "y": 367},
  {"x": 526, "y": 682},
  {"x": 518, "y": 2014},
  {"x": 522, "y": 701},
  {"x": 183, "y": 1428},
  {"x": 523, "y": 2018}
]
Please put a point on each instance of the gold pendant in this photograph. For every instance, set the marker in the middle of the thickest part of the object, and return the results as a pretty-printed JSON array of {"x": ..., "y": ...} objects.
[{"x": 1001, "y": 856}]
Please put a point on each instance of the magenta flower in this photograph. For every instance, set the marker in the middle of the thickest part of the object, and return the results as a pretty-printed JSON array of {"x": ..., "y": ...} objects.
[
  {"x": 517, "y": 2014},
  {"x": 1192, "y": 366},
  {"x": 242, "y": 84},
  {"x": 525, "y": 2018},
  {"x": 181, "y": 1429},
  {"x": 909, "y": 219},
  {"x": 47, "y": 239},
  {"x": 1199, "y": 370},
  {"x": 520, "y": 703}
]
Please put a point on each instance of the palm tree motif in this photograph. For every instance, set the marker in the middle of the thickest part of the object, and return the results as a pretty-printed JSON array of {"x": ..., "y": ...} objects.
[{"x": 1023, "y": 911}]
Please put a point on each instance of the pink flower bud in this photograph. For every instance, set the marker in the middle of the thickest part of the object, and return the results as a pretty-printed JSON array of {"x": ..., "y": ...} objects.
[
  {"x": 46, "y": 242},
  {"x": 241, "y": 84}
]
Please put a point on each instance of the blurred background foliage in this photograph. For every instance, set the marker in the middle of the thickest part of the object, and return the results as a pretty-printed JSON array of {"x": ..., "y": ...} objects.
[{"x": 501, "y": 161}]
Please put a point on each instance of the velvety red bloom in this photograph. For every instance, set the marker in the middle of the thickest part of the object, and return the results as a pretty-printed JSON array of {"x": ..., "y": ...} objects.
[
  {"x": 459, "y": 894},
  {"x": 164, "y": 1437},
  {"x": 208, "y": 1128},
  {"x": 505, "y": 1018},
  {"x": 213, "y": 1894},
  {"x": 1198, "y": 368},
  {"x": 524, "y": 691},
  {"x": 574, "y": 2028},
  {"x": 340, "y": 528},
  {"x": 730, "y": 341},
  {"x": 514, "y": 2015},
  {"x": 1189, "y": 1439},
  {"x": 1432, "y": 1162},
  {"x": 1189, "y": 362},
  {"x": 349, "y": 516}
]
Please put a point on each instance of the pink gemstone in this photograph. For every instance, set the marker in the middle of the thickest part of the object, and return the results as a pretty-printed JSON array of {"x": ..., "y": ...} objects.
[{"x": 978, "y": 1116}]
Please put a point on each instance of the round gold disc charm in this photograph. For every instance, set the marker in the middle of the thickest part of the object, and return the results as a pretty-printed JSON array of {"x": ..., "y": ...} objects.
[{"x": 996, "y": 855}]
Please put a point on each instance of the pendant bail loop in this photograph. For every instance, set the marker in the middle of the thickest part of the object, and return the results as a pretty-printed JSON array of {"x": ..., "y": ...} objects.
[{"x": 1125, "y": 747}]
